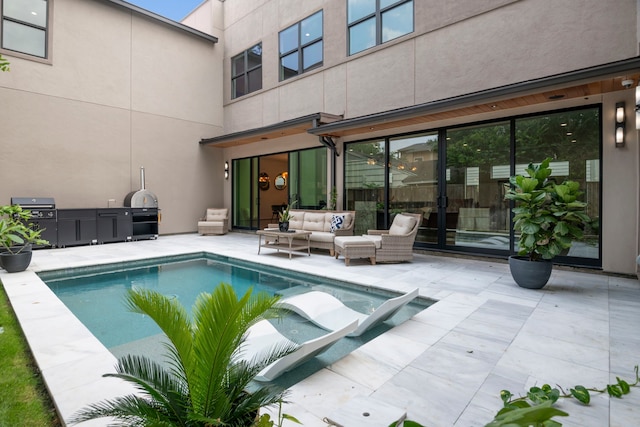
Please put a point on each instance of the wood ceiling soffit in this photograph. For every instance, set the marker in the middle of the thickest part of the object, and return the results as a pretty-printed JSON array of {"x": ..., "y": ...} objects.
[{"x": 579, "y": 91}]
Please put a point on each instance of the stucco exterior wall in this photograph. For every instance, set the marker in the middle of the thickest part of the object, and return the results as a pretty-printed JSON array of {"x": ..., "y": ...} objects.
[
  {"x": 454, "y": 50},
  {"x": 620, "y": 215},
  {"x": 122, "y": 91}
]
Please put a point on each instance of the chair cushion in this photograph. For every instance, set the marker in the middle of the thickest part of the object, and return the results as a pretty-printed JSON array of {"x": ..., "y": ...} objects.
[
  {"x": 376, "y": 239},
  {"x": 337, "y": 221},
  {"x": 216, "y": 214},
  {"x": 210, "y": 223},
  {"x": 402, "y": 225}
]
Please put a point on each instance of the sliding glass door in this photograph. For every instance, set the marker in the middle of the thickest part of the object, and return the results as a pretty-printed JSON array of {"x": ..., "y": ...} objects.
[
  {"x": 476, "y": 213},
  {"x": 457, "y": 177},
  {"x": 263, "y": 185},
  {"x": 572, "y": 139}
]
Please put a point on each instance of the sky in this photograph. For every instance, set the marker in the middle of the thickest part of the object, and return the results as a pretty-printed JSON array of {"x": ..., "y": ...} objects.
[{"x": 172, "y": 9}]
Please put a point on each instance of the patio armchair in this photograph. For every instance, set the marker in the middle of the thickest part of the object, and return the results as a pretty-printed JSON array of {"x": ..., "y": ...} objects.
[
  {"x": 216, "y": 221},
  {"x": 396, "y": 243}
]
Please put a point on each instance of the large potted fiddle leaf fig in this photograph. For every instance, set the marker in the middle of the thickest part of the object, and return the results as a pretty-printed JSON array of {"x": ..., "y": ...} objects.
[{"x": 548, "y": 217}]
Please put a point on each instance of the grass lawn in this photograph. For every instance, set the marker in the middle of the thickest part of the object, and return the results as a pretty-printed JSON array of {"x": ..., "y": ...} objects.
[{"x": 23, "y": 400}]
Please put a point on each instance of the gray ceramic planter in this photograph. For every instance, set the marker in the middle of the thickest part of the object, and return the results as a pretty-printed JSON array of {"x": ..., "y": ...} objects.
[{"x": 530, "y": 274}]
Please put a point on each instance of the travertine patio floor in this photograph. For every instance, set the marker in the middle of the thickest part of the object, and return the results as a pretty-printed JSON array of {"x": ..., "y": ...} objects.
[{"x": 444, "y": 367}]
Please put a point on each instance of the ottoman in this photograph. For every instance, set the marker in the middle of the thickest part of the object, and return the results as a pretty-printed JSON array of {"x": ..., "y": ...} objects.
[{"x": 354, "y": 247}]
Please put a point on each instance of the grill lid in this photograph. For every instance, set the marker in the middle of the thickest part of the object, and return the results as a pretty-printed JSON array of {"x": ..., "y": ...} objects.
[{"x": 34, "y": 202}]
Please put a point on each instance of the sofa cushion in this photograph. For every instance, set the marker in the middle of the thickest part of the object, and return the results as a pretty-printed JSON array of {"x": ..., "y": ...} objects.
[
  {"x": 402, "y": 225},
  {"x": 321, "y": 236},
  {"x": 314, "y": 221},
  {"x": 337, "y": 222},
  {"x": 297, "y": 219}
]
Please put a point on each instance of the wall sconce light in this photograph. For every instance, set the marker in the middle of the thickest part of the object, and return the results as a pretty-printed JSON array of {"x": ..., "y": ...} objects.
[
  {"x": 620, "y": 122},
  {"x": 226, "y": 170},
  {"x": 638, "y": 107}
]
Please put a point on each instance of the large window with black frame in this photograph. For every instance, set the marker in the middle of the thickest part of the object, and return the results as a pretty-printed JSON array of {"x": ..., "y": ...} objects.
[
  {"x": 25, "y": 27},
  {"x": 374, "y": 22},
  {"x": 301, "y": 46},
  {"x": 246, "y": 72}
]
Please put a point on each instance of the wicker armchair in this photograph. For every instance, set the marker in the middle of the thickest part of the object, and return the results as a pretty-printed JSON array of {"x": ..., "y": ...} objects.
[
  {"x": 216, "y": 221},
  {"x": 396, "y": 243}
]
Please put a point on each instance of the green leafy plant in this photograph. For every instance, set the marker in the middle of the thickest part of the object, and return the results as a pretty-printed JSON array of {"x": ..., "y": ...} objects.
[
  {"x": 266, "y": 421},
  {"x": 15, "y": 230},
  {"x": 548, "y": 216},
  {"x": 206, "y": 383},
  {"x": 285, "y": 215},
  {"x": 535, "y": 409},
  {"x": 333, "y": 201},
  {"x": 4, "y": 64}
]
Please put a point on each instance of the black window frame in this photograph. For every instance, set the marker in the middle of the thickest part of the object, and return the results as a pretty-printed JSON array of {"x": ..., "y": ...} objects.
[
  {"x": 244, "y": 75},
  {"x": 300, "y": 48},
  {"x": 377, "y": 15},
  {"x": 46, "y": 30}
]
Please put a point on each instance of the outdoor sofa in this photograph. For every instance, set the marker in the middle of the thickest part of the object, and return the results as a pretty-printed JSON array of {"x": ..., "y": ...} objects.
[{"x": 324, "y": 225}]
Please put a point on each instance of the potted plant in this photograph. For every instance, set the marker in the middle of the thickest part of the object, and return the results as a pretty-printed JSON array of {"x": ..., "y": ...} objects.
[
  {"x": 284, "y": 216},
  {"x": 16, "y": 238},
  {"x": 548, "y": 218}
]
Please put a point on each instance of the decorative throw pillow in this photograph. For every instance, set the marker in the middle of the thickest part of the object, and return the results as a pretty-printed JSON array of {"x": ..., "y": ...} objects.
[{"x": 336, "y": 223}]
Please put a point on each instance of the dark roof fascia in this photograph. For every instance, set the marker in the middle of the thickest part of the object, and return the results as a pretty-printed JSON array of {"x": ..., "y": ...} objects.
[
  {"x": 612, "y": 68},
  {"x": 162, "y": 19},
  {"x": 311, "y": 118}
]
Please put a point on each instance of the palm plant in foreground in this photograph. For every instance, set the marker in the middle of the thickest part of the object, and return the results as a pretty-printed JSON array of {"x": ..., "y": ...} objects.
[{"x": 205, "y": 382}]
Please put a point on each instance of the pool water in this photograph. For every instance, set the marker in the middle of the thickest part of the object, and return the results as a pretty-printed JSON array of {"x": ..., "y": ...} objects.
[{"x": 95, "y": 295}]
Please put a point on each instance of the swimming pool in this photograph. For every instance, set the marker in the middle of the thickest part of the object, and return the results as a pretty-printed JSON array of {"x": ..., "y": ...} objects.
[{"x": 95, "y": 295}]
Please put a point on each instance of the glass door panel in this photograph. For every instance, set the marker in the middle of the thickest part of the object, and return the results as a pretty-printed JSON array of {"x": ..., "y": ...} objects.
[
  {"x": 365, "y": 173},
  {"x": 245, "y": 190},
  {"x": 572, "y": 140},
  {"x": 413, "y": 181},
  {"x": 477, "y": 176},
  {"x": 308, "y": 173}
]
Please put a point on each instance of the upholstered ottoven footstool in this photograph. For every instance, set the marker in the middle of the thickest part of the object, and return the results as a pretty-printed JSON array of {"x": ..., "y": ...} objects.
[{"x": 354, "y": 247}]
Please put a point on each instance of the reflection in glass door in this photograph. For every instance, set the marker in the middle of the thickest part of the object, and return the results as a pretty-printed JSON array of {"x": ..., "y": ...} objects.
[
  {"x": 413, "y": 182},
  {"x": 477, "y": 176},
  {"x": 365, "y": 173}
]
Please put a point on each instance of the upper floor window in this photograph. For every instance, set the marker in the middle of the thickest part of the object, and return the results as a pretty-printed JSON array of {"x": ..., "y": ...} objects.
[
  {"x": 246, "y": 71},
  {"x": 25, "y": 26},
  {"x": 373, "y": 22},
  {"x": 301, "y": 46}
]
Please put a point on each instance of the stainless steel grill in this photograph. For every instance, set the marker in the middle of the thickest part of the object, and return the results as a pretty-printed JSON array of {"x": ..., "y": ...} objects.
[{"x": 44, "y": 216}]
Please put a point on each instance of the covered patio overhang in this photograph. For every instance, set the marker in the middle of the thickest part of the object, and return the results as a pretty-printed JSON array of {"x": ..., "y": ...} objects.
[
  {"x": 581, "y": 83},
  {"x": 297, "y": 126}
]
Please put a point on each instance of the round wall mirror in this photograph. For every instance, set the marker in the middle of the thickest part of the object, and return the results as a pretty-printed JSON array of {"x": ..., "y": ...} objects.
[
  {"x": 263, "y": 181},
  {"x": 280, "y": 182}
]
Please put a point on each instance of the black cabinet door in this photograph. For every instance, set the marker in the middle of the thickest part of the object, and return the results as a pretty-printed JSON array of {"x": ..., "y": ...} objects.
[
  {"x": 114, "y": 225},
  {"x": 77, "y": 227}
]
